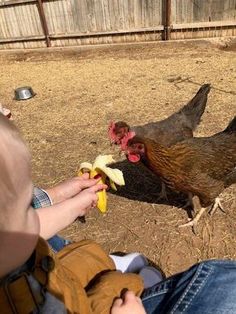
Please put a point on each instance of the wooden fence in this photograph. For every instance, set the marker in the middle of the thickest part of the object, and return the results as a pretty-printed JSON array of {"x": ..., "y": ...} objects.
[{"x": 59, "y": 23}]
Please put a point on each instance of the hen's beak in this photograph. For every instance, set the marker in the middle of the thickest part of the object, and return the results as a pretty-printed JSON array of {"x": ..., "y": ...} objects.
[{"x": 100, "y": 168}]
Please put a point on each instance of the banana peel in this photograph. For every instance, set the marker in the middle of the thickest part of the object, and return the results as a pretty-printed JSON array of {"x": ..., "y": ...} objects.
[{"x": 99, "y": 167}]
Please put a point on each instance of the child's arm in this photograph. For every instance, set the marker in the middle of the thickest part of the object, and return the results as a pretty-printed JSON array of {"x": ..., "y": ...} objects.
[{"x": 79, "y": 195}]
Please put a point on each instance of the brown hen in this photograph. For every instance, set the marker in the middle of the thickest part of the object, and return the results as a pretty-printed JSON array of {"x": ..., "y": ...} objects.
[{"x": 200, "y": 167}]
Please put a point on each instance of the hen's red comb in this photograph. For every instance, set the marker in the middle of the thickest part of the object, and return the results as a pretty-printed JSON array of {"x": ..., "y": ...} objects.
[{"x": 125, "y": 140}]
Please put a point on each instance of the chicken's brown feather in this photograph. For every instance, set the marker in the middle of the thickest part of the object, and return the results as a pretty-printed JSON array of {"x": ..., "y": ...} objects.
[{"x": 201, "y": 166}]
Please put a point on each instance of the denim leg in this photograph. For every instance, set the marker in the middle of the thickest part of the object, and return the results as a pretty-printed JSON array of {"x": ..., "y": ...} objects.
[
  {"x": 206, "y": 288},
  {"x": 57, "y": 243}
]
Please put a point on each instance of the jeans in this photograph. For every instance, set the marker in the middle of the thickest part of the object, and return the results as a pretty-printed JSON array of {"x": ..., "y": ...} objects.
[
  {"x": 206, "y": 288},
  {"x": 57, "y": 243}
]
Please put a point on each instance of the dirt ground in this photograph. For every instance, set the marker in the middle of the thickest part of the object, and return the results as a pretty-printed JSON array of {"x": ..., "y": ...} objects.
[{"x": 80, "y": 90}]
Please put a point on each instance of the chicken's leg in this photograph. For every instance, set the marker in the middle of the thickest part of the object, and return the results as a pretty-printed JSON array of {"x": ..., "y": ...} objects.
[
  {"x": 189, "y": 202},
  {"x": 163, "y": 193},
  {"x": 194, "y": 221}
]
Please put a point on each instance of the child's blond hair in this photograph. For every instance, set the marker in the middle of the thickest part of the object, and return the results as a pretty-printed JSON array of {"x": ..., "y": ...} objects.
[{"x": 14, "y": 163}]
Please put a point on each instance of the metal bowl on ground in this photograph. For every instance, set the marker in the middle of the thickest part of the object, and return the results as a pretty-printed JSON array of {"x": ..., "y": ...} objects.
[{"x": 23, "y": 93}]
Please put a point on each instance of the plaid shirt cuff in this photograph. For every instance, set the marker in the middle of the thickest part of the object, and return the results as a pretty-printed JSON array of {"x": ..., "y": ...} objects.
[{"x": 40, "y": 198}]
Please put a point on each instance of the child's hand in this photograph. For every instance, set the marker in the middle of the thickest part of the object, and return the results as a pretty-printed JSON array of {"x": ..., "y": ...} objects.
[
  {"x": 130, "y": 304},
  {"x": 69, "y": 188},
  {"x": 80, "y": 197},
  {"x": 88, "y": 198}
]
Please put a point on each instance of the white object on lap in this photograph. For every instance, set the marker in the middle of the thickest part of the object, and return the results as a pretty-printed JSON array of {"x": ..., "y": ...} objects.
[{"x": 129, "y": 263}]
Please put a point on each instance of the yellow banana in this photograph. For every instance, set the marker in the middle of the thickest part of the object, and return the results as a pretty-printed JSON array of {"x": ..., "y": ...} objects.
[
  {"x": 102, "y": 195},
  {"x": 100, "y": 167}
]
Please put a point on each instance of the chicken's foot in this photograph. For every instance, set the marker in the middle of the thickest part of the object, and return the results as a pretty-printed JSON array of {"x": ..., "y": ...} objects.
[
  {"x": 193, "y": 223},
  {"x": 196, "y": 205},
  {"x": 217, "y": 203}
]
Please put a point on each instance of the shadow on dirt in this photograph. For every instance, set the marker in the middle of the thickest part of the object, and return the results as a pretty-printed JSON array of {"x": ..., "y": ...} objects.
[{"x": 142, "y": 185}]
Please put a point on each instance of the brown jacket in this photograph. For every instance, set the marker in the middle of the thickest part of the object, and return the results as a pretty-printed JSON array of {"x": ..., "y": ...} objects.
[{"x": 81, "y": 275}]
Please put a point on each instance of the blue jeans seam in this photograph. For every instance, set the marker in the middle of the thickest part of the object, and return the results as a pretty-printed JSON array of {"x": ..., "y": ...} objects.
[
  {"x": 198, "y": 272},
  {"x": 155, "y": 294}
]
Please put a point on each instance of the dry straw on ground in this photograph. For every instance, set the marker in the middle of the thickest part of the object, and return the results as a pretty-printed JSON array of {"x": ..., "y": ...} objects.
[{"x": 80, "y": 91}]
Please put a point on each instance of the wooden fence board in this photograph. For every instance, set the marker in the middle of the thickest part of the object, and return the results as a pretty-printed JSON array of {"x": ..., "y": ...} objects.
[{"x": 112, "y": 21}]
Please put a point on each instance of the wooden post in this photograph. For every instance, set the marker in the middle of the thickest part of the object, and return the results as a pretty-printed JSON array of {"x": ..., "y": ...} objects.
[
  {"x": 167, "y": 20},
  {"x": 43, "y": 22}
]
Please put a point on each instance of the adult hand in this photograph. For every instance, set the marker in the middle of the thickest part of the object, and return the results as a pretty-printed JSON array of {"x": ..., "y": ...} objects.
[{"x": 129, "y": 304}]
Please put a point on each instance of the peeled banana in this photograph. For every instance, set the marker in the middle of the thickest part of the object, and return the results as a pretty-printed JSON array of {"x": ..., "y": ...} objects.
[{"x": 99, "y": 167}]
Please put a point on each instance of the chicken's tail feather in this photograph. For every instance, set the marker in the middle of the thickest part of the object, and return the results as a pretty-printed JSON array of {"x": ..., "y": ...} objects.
[
  {"x": 196, "y": 106},
  {"x": 231, "y": 128}
]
